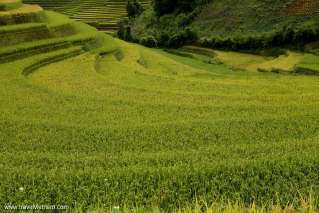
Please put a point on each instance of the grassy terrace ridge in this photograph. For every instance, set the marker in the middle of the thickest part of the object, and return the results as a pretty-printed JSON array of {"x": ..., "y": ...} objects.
[
  {"x": 33, "y": 34},
  {"x": 38, "y": 47},
  {"x": 6, "y": 5},
  {"x": 52, "y": 57},
  {"x": 24, "y": 9},
  {"x": 22, "y": 14}
]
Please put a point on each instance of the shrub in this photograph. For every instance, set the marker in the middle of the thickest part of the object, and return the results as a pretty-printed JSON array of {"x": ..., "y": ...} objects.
[
  {"x": 163, "y": 39},
  {"x": 149, "y": 41},
  {"x": 179, "y": 39},
  {"x": 274, "y": 52},
  {"x": 134, "y": 8},
  {"x": 162, "y": 7},
  {"x": 124, "y": 31},
  {"x": 298, "y": 36}
]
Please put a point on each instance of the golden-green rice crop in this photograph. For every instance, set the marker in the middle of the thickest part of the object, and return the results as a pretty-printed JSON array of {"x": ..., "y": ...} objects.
[{"x": 136, "y": 127}]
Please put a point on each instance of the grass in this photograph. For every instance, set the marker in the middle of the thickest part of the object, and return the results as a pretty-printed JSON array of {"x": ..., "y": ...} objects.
[
  {"x": 252, "y": 62},
  {"x": 6, "y": 5},
  {"x": 59, "y": 55},
  {"x": 308, "y": 65},
  {"x": 52, "y": 25},
  {"x": 21, "y": 15},
  {"x": 285, "y": 63},
  {"x": 166, "y": 132},
  {"x": 22, "y": 10},
  {"x": 306, "y": 205},
  {"x": 241, "y": 61}
]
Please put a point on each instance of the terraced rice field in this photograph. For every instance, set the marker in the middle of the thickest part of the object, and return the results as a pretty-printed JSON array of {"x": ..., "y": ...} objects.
[
  {"x": 92, "y": 122},
  {"x": 28, "y": 30},
  {"x": 125, "y": 129},
  {"x": 102, "y": 14}
]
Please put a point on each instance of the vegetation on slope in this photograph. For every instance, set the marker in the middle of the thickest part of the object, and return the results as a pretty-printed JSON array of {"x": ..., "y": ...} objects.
[{"x": 230, "y": 24}]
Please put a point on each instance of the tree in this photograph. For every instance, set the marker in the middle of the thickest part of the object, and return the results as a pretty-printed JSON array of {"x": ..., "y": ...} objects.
[
  {"x": 162, "y": 7},
  {"x": 134, "y": 8},
  {"x": 124, "y": 31}
]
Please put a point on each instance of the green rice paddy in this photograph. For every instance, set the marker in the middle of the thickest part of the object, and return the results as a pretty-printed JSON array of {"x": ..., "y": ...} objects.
[
  {"x": 125, "y": 129},
  {"x": 93, "y": 122}
]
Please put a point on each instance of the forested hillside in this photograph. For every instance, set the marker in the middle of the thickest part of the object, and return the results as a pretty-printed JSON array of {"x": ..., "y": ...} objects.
[{"x": 232, "y": 24}]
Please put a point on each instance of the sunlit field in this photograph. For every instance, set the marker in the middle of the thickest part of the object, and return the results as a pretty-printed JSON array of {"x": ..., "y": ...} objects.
[
  {"x": 125, "y": 129},
  {"x": 96, "y": 124}
]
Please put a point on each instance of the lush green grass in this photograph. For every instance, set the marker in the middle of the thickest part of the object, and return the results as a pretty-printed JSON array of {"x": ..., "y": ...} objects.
[
  {"x": 125, "y": 129},
  {"x": 309, "y": 65}
]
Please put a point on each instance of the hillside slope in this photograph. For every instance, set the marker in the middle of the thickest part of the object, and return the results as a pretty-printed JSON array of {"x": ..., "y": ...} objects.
[
  {"x": 252, "y": 16},
  {"x": 233, "y": 24}
]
